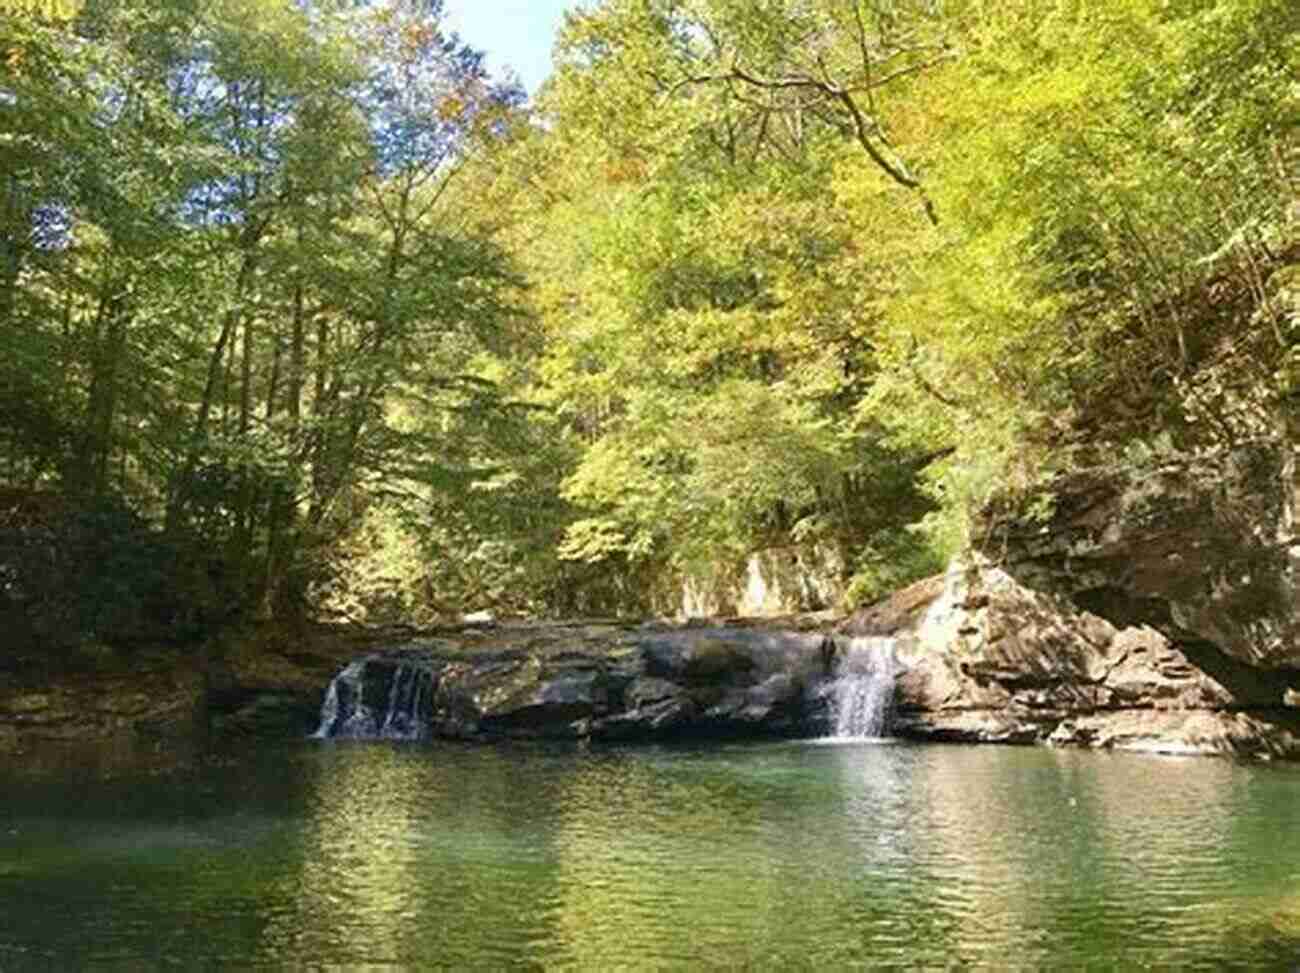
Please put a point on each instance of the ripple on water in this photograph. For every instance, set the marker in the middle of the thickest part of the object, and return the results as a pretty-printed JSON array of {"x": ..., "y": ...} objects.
[{"x": 773, "y": 856}]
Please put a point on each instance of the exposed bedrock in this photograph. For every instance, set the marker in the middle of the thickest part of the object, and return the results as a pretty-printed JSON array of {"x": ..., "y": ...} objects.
[
  {"x": 1145, "y": 611},
  {"x": 1203, "y": 549},
  {"x": 587, "y": 681},
  {"x": 986, "y": 659}
]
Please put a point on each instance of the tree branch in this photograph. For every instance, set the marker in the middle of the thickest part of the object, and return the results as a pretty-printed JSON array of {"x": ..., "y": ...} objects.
[{"x": 863, "y": 127}]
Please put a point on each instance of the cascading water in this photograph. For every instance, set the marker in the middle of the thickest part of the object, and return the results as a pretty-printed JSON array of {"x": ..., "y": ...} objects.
[
  {"x": 379, "y": 697},
  {"x": 862, "y": 690}
]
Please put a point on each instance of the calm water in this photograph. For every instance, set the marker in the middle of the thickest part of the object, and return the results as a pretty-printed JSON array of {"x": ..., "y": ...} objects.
[{"x": 778, "y": 856}]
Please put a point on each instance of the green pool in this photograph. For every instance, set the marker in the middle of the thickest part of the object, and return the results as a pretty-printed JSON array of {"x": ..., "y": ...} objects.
[{"x": 771, "y": 856}]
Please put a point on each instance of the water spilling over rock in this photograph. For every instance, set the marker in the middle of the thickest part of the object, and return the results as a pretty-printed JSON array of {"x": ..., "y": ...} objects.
[
  {"x": 862, "y": 692},
  {"x": 385, "y": 697},
  {"x": 587, "y": 682}
]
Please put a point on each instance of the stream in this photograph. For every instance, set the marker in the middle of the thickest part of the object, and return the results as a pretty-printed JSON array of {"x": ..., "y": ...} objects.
[{"x": 779, "y": 855}]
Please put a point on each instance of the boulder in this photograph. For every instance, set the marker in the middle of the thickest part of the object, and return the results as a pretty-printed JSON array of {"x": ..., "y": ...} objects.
[
  {"x": 651, "y": 683},
  {"x": 698, "y": 657}
]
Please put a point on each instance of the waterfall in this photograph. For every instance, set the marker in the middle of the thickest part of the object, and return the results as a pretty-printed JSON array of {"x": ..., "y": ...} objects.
[
  {"x": 379, "y": 697},
  {"x": 404, "y": 720},
  {"x": 862, "y": 690}
]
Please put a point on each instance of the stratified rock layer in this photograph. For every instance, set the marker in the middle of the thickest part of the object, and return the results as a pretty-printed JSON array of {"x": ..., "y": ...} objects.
[
  {"x": 986, "y": 659},
  {"x": 1202, "y": 548}
]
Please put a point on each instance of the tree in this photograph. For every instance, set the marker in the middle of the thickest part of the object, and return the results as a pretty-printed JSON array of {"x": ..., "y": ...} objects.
[
  {"x": 707, "y": 329},
  {"x": 772, "y": 75},
  {"x": 230, "y": 273},
  {"x": 1101, "y": 286}
]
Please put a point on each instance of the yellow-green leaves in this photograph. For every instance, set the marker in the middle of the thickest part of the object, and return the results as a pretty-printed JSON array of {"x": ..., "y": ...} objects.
[{"x": 49, "y": 9}]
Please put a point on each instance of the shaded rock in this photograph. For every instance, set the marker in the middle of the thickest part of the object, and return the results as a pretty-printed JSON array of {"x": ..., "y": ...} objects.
[
  {"x": 1202, "y": 548},
  {"x": 777, "y": 705},
  {"x": 27, "y": 705},
  {"x": 650, "y": 683},
  {"x": 267, "y": 714},
  {"x": 551, "y": 706},
  {"x": 1206, "y": 732},
  {"x": 654, "y": 707},
  {"x": 662, "y": 718},
  {"x": 703, "y": 656},
  {"x": 649, "y": 690},
  {"x": 156, "y": 697},
  {"x": 980, "y": 726}
]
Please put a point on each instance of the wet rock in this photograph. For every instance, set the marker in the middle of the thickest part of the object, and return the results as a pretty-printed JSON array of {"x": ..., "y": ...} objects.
[
  {"x": 267, "y": 714},
  {"x": 776, "y": 705},
  {"x": 699, "y": 657},
  {"x": 668, "y": 717},
  {"x": 648, "y": 683},
  {"x": 552, "y": 705},
  {"x": 649, "y": 690}
]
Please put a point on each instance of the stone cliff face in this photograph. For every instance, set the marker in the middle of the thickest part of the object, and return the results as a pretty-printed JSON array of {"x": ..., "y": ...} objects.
[
  {"x": 776, "y": 581},
  {"x": 1203, "y": 549},
  {"x": 1149, "y": 611},
  {"x": 1155, "y": 610},
  {"x": 986, "y": 659}
]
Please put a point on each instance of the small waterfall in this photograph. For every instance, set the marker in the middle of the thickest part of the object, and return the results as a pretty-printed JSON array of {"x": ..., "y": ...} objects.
[
  {"x": 329, "y": 709},
  {"x": 862, "y": 690},
  {"x": 404, "y": 720},
  {"x": 379, "y": 697}
]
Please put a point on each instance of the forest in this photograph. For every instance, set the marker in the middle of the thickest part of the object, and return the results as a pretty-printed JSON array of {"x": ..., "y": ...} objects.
[{"x": 304, "y": 313}]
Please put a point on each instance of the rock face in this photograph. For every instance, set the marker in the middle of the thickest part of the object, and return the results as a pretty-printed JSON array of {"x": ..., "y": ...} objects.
[
  {"x": 772, "y": 582},
  {"x": 1203, "y": 550},
  {"x": 1155, "y": 612},
  {"x": 595, "y": 682},
  {"x": 986, "y": 659}
]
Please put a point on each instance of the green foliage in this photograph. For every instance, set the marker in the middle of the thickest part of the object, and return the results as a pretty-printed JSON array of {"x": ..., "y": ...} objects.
[
  {"x": 97, "y": 570},
  {"x": 301, "y": 288},
  {"x": 49, "y": 9},
  {"x": 1101, "y": 274},
  {"x": 229, "y": 281},
  {"x": 893, "y": 560}
]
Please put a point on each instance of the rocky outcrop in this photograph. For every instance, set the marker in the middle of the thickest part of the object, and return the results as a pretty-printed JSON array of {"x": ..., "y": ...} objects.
[
  {"x": 986, "y": 659},
  {"x": 1152, "y": 608},
  {"x": 601, "y": 682},
  {"x": 604, "y": 680},
  {"x": 976, "y": 657},
  {"x": 770, "y": 583},
  {"x": 976, "y": 654},
  {"x": 1203, "y": 549}
]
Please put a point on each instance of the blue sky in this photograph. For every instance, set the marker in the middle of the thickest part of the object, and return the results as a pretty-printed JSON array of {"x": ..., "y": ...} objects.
[{"x": 514, "y": 33}]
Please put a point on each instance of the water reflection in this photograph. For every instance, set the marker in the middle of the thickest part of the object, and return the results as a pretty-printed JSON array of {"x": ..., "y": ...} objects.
[
  {"x": 773, "y": 857},
  {"x": 356, "y": 862},
  {"x": 409, "y": 856},
  {"x": 1113, "y": 857}
]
